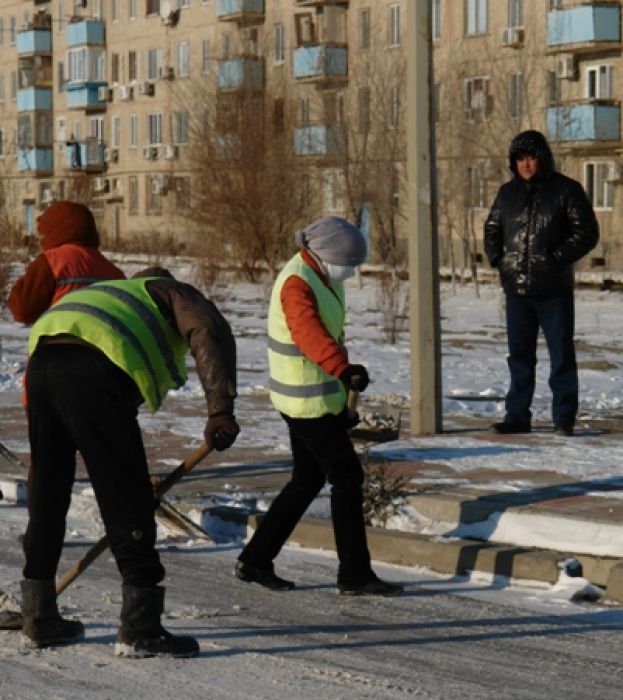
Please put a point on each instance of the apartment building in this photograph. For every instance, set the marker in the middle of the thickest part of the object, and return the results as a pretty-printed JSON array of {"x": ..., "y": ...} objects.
[
  {"x": 100, "y": 100},
  {"x": 502, "y": 66}
]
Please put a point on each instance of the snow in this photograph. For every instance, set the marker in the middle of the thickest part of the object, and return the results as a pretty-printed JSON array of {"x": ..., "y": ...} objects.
[{"x": 474, "y": 382}]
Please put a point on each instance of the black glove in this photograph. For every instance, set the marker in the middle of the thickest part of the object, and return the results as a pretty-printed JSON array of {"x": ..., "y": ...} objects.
[
  {"x": 350, "y": 421},
  {"x": 355, "y": 377},
  {"x": 221, "y": 431}
]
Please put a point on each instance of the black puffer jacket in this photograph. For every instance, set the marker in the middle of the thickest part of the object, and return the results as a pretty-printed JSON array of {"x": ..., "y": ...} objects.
[{"x": 536, "y": 230}]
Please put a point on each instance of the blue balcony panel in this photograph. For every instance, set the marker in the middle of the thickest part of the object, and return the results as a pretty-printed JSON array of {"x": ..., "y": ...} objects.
[
  {"x": 320, "y": 61},
  {"x": 84, "y": 96},
  {"x": 86, "y": 31},
  {"x": 237, "y": 8},
  {"x": 584, "y": 24},
  {"x": 319, "y": 140},
  {"x": 84, "y": 155},
  {"x": 34, "y": 41},
  {"x": 239, "y": 73},
  {"x": 584, "y": 122},
  {"x": 30, "y": 99},
  {"x": 35, "y": 159}
]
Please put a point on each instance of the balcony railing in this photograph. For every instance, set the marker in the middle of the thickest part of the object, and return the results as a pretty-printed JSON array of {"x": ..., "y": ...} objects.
[
  {"x": 34, "y": 41},
  {"x": 244, "y": 12},
  {"x": 85, "y": 96},
  {"x": 85, "y": 155},
  {"x": 85, "y": 32},
  {"x": 33, "y": 98},
  {"x": 585, "y": 121},
  {"x": 584, "y": 26},
  {"x": 240, "y": 73},
  {"x": 320, "y": 61},
  {"x": 319, "y": 140},
  {"x": 36, "y": 160}
]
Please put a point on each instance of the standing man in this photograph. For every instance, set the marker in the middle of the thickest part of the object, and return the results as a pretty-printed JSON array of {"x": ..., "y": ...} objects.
[
  {"x": 310, "y": 375},
  {"x": 540, "y": 224},
  {"x": 96, "y": 355}
]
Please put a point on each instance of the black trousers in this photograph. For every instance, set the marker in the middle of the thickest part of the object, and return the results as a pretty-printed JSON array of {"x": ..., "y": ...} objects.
[
  {"x": 321, "y": 450},
  {"x": 79, "y": 401},
  {"x": 556, "y": 317}
]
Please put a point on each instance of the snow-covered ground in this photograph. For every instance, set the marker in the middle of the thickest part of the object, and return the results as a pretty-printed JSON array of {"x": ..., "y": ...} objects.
[{"x": 473, "y": 366}]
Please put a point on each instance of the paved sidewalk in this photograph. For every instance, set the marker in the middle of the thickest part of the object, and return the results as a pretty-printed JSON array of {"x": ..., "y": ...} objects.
[{"x": 449, "y": 503}]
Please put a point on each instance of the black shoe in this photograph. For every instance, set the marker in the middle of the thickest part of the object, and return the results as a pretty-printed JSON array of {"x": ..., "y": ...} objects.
[
  {"x": 508, "y": 428},
  {"x": 372, "y": 587},
  {"x": 566, "y": 430},
  {"x": 265, "y": 577}
]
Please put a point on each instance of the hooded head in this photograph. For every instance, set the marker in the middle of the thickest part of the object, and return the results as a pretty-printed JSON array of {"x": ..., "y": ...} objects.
[
  {"x": 532, "y": 143},
  {"x": 153, "y": 272},
  {"x": 67, "y": 222},
  {"x": 334, "y": 241}
]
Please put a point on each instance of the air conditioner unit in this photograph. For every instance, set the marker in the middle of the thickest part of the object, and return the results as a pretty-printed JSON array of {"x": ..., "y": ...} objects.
[
  {"x": 104, "y": 94},
  {"x": 150, "y": 152},
  {"x": 166, "y": 72},
  {"x": 146, "y": 88},
  {"x": 512, "y": 36},
  {"x": 111, "y": 155},
  {"x": 125, "y": 92},
  {"x": 614, "y": 173},
  {"x": 169, "y": 151},
  {"x": 47, "y": 196},
  {"x": 566, "y": 68},
  {"x": 160, "y": 185},
  {"x": 100, "y": 184}
]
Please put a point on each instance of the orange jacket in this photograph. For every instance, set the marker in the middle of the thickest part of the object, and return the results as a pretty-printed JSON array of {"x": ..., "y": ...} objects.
[
  {"x": 70, "y": 259},
  {"x": 308, "y": 331}
]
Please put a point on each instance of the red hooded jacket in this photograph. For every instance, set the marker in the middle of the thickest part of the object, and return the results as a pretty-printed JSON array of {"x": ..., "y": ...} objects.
[{"x": 70, "y": 259}]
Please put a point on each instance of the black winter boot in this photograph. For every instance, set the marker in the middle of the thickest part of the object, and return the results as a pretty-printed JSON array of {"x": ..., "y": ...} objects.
[
  {"x": 42, "y": 626},
  {"x": 141, "y": 633}
]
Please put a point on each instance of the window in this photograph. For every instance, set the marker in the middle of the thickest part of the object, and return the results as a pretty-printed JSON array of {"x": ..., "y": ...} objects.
[
  {"x": 180, "y": 127},
  {"x": 182, "y": 192},
  {"x": 133, "y": 195},
  {"x": 476, "y": 17},
  {"x": 182, "y": 59},
  {"x": 554, "y": 93},
  {"x": 303, "y": 110},
  {"x": 278, "y": 115},
  {"x": 1, "y": 31},
  {"x": 333, "y": 190},
  {"x": 60, "y": 17},
  {"x": 394, "y": 106},
  {"x": 515, "y": 13},
  {"x": 77, "y": 131},
  {"x": 114, "y": 10},
  {"x": 555, "y": 4},
  {"x": 1, "y": 88},
  {"x": 251, "y": 42},
  {"x": 115, "y": 141},
  {"x": 2, "y": 145},
  {"x": 476, "y": 188},
  {"x": 152, "y": 7},
  {"x": 394, "y": 25},
  {"x": 153, "y": 63},
  {"x": 85, "y": 64},
  {"x": 205, "y": 56},
  {"x": 132, "y": 9},
  {"x": 181, "y": 4},
  {"x": 154, "y": 129},
  {"x": 98, "y": 9},
  {"x": 226, "y": 38},
  {"x": 61, "y": 136},
  {"x": 12, "y": 30},
  {"x": 154, "y": 201},
  {"x": 132, "y": 72},
  {"x": 97, "y": 128},
  {"x": 133, "y": 130},
  {"x": 515, "y": 95},
  {"x": 436, "y": 101},
  {"x": 476, "y": 98},
  {"x": 280, "y": 43},
  {"x": 13, "y": 85},
  {"x": 436, "y": 20},
  {"x": 599, "y": 82},
  {"x": 598, "y": 182},
  {"x": 114, "y": 67},
  {"x": 363, "y": 29}
]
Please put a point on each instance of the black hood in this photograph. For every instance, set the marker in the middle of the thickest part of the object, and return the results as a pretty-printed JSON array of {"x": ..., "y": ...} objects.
[{"x": 535, "y": 144}]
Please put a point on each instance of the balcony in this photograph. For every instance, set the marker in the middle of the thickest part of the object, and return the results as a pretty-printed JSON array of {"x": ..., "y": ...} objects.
[
  {"x": 240, "y": 73},
  {"x": 89, "y": 32},
  {"x": 35, "y": 160},
  {"x": 34, "y": 41},
  {"x": 320, "y": 62},
  {"x": 243, "y": 12},
  {"x": 319, "y": 140},
  {"x": 584, "y": 28},
  {"x": 33, "y": 98},
  {"x": 85, "y": 96},
  {"x": 86, "y": 156},
  {"x": 587, "y": 121}
]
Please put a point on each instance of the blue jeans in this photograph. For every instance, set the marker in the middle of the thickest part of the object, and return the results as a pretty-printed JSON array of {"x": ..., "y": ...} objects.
[{"x": 555, "y": 316}]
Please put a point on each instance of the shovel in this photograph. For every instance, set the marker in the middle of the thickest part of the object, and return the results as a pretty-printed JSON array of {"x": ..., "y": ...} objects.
[
  {"x": 373, "y": 427},
  {"x": 12, "y": 620}
]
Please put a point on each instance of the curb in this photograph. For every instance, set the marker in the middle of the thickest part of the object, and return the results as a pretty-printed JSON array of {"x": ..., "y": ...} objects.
[{"x": 451, "y": 556}]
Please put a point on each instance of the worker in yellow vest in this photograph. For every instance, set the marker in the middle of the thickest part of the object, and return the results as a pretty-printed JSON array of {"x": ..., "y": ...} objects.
[
  {"x": 310, "y": 375},
  {"x": 96, "y": 355}
]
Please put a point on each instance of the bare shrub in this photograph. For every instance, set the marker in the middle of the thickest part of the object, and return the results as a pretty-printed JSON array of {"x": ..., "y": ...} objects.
[{"x": 383, "y": 494}]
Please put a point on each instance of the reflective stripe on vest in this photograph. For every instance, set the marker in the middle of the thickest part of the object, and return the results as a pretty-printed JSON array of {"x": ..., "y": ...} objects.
[
  {"x": 299, "y": 387},
  {"x": 123, "y": 321}
]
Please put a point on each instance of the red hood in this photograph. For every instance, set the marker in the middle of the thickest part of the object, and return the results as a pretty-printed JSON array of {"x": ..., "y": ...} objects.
[{"x": 67, "y": 222}]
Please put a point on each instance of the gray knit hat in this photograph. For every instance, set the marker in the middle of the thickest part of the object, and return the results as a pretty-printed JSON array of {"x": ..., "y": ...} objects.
[{"x": 334, "y": 240}]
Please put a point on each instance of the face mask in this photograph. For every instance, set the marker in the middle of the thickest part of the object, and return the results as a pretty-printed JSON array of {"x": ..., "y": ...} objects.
[{"x": 339, "y": 273}]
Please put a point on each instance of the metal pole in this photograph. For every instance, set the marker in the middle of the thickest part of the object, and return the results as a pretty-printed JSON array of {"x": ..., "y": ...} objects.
[{"x": 423, "y": 255}]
